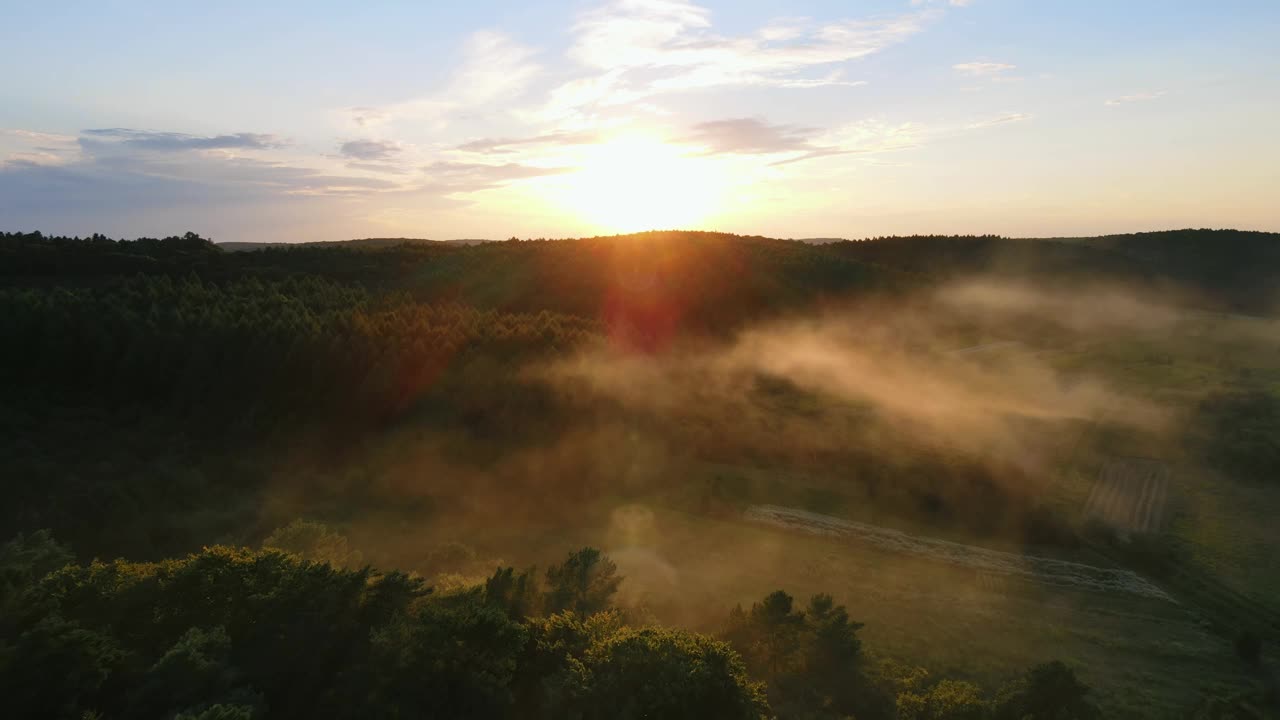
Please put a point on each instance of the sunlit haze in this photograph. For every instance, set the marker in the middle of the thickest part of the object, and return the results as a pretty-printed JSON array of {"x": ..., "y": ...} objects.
[{"x": 293, "y": 121}]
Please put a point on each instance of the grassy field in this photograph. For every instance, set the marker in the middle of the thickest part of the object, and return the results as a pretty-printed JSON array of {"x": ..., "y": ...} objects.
[
  {"x": 1141, "y": 654},
  {"x": 687, "y": 563},
  {"x": 1222, "y": 527},
  {"x": 1227, "y": 530}
]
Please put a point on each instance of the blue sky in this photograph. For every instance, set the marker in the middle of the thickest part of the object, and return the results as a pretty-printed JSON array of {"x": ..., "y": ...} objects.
[{"x": 322, "y": 121}]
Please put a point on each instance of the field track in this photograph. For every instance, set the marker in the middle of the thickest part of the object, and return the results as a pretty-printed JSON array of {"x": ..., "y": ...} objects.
[
  {"x": 1061, "y": 573},
  {"x": 984, "y": 347},
  {"x": 1130, "y": 494}
]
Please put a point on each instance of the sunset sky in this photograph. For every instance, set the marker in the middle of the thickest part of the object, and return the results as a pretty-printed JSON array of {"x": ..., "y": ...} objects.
[{"x": 323, "y": 121}]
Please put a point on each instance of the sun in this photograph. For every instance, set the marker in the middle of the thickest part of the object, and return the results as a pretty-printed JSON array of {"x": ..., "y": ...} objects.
[{"x": 639, "y": 182}]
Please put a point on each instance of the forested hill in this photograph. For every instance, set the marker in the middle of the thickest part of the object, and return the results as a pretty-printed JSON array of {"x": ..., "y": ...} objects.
[
  {"x": 1223, "y": 269},
  {"x": 711, "y": 281},
  {"x": 686, "y": 281},
  {"x": 361, "y": 242}
]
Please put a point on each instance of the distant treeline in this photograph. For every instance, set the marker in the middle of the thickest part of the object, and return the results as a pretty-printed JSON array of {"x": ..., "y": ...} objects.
[
  {"x": 653, "y": 284},
  {"x": 304, "y": 343},
  {"x": 709, "y": 281}
]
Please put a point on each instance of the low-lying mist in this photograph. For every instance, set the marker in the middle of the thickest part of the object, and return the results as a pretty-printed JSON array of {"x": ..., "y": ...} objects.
[
  {"x": 950, "y": 413},
  {"x": 968, "y": 368}
]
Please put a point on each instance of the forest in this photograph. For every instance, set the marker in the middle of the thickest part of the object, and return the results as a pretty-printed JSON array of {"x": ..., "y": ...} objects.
[{"x": 416, "y": 479}]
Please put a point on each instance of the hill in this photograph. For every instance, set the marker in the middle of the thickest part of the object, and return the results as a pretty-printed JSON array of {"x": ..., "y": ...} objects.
[
  {"x": 1226, "y": 269},
  {"x": 363, "y": 242}
]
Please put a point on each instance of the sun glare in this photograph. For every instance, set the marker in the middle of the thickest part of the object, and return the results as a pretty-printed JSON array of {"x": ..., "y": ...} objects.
[{"x": 635, "y": 183}]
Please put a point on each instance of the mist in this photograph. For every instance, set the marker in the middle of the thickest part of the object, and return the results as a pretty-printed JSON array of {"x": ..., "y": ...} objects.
[{"x": 948, "y": 413}]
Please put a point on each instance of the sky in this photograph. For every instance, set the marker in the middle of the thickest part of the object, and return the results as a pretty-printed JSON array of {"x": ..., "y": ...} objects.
[{"x": 303, "y": 121}]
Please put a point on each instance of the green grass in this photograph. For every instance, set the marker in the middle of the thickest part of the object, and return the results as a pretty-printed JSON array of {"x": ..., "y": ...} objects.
[
  {"x": 1228, "y": 530},
  {"x": 690, "y": 569},
  {"x": 689, "y": 563}
]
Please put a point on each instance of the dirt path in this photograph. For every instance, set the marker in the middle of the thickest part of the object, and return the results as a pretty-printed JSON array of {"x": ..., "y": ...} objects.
[{"x": 1061, "y": 573}]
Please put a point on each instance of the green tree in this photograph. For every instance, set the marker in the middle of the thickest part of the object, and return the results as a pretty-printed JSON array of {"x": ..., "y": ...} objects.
[
  {"x": 56, "y": 668},
  {"x": 584, "y": 583},
  {"x": 661, "y": 673},
  {"x": 810, "y": 659},
  {"x": 24, "y": 560},
  {"x": 769, "y": 636},
  {"x": 449, "y": 659},
  {"x": 1048, "y": 692},
  {"x": 597, "y": 667},
  {"x": 195, "y": 672},
  {"x": 946, "y": 700},
  {"x": 314, "y": 542},
  {"x": 520, "y": 596}
]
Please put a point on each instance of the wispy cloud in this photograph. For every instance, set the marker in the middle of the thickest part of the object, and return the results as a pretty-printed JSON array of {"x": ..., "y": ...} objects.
[
  {"x": 494, "y": 67},
  {"x": 999, "y": 120},
  {"x": 33, "y": 137},
  {"x": 460, "y": 177},
  {"x": 110, "y": 178},
  {"x": 750, "y": 136},
  {"x": 983, "y": 68},
  {"x": 508, "y": 145},
  {"x": 377, "y": 167},
  {"x": 874, "y": 135},
  {"x": 753, "y": 136},
  {"x": 369, "y": 150},
  {"x": 121, "y": 171},
  {"x": 177, "y": 142},
  {"x": 28, "y": 147},
  {"x": 1137, "y": 97},
  {"x": 642, "y": 47}
]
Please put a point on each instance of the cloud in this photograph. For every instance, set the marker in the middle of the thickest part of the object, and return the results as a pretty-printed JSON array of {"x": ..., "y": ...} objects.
[
  {"x": 494, "y": 67},
  {"x": 999, "y": 120},
  {"x": 508, "y": 145},
  {"x": 497, "y": 68},
  {"x": 877, "y": 136},
  {"x": 128, "y": 182},
  {"x": 643, "y": 47},
  {"x": 750, "y": 136},
  {"x": 369, "y": 150},
  {"x": 34, "y": 137},
  {"x": 874, "y": 136},
  {"x": 378, "y": 167},
  {"x": 1137, "y": 97},
  {"x": 365, "y": 115},
  {"x": 983, "y": 68},
  {"x": 177, "y": 142},
  {"x": 460, "y": 177},
  {"x": 28, "y": 147}
]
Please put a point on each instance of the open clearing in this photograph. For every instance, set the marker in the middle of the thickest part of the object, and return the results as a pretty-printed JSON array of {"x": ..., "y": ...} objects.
[
  {"x": 1043, "y": 570},
  {"x": 1140, "y": 652}
]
